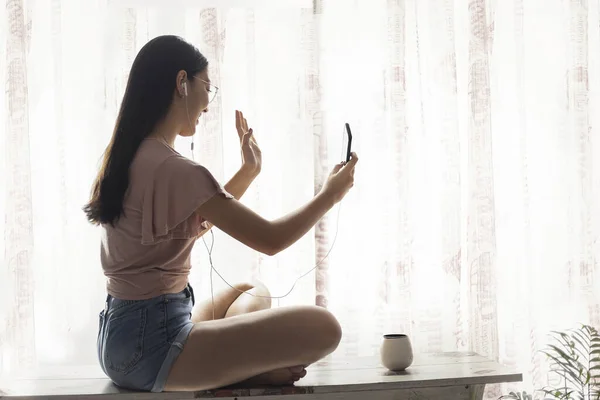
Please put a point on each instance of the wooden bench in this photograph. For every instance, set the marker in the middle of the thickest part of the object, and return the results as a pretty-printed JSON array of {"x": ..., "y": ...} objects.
[{"x": 432, "y": 376}]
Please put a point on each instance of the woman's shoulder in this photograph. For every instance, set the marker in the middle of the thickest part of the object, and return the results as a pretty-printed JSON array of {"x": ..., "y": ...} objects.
[
  {"x": 161, "y": 162},
  {"x": 153, "y": 155},
  {"x": 154, "y": 151}
]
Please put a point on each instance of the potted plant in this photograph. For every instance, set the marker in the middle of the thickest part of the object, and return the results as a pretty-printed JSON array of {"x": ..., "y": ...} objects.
[{"x": 574, "y": 358}]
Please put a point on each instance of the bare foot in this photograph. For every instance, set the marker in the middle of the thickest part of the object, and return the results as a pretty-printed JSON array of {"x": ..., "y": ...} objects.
[{"x": 278, "y": 377}]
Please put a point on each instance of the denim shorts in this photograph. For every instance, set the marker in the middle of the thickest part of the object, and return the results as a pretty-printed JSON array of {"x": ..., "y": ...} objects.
[{"x": 139, "y": 340}]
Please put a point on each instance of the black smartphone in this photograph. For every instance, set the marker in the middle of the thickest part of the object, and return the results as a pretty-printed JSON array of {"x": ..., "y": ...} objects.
[{"x": 349, "y": 148}]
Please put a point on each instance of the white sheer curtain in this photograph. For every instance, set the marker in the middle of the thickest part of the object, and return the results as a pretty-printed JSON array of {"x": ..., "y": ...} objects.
[{"x": 474, "y": 223}]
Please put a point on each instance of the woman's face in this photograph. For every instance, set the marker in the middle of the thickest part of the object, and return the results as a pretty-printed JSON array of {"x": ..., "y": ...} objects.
[{"x": 199, "y": 94}]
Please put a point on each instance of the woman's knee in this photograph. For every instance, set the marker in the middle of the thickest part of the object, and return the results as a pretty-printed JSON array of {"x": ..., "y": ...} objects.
[
  {"x": 333, "y": 331},
  {"x": 262, "y": 295},
  {"x": 326, "y": 331},
  {"x": 251, "y": 297}
]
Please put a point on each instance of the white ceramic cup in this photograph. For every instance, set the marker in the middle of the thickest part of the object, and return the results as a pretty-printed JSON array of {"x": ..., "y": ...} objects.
[{"x": 396, "y": 352}]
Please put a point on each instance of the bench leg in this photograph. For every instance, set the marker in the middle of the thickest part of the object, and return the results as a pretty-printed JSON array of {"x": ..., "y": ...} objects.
[{"x": 476, "y": 392}]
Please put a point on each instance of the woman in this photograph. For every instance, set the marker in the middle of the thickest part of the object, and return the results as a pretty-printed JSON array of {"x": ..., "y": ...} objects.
[{"x": 152, "y": 204}]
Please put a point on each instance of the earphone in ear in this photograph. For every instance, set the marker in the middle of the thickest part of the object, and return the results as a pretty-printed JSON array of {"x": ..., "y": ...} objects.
[{"x": 185, "y": 93}]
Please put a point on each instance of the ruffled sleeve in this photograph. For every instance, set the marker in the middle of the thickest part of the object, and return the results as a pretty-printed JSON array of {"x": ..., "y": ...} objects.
[{"x": 179, "y": 186}]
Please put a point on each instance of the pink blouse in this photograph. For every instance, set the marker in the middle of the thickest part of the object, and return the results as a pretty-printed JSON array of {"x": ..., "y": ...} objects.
[{"x": 147, "y": 252}]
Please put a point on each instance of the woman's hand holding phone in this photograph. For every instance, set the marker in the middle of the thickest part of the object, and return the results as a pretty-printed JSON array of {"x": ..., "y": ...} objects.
[{"x": 340, "y": 180}]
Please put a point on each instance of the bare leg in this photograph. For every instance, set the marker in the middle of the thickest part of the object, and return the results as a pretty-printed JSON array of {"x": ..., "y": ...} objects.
[
  {"x": 231, "y": 350},
  {"x": 245, "y": 298},
  {"x": 255, "y": 299},
  {"x": 233, "y": 301}
]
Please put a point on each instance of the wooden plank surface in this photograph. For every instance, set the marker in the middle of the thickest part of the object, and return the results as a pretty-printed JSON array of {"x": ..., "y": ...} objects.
[
  {"x": 442, "y": 393},
  {"x": 326, "y": 378}
]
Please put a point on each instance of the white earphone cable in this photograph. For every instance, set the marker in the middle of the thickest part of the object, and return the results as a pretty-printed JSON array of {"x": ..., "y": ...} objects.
[{"x": 212, "y": 267}]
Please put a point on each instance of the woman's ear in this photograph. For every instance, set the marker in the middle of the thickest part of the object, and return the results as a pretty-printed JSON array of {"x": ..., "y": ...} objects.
[{"x": 181, "y": 83}]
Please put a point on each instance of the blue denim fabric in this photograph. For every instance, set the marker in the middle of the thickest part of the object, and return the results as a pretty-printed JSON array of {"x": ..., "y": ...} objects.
[{"x": 139, "y": 340}]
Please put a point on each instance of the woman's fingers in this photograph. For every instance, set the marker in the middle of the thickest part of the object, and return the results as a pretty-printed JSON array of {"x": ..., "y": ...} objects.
[
  {"x": 253, "y": 138},
  {"x": 245, "y": 123},
  {"x": 238, "y": 124},
  {"x": 246, "y": 137},
  {"x": 241, "y": 124},
  {"x": 337, "y": 168}
]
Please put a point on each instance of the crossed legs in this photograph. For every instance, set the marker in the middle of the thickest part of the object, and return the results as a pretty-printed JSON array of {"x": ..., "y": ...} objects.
[{"x": 248, "y": 342}]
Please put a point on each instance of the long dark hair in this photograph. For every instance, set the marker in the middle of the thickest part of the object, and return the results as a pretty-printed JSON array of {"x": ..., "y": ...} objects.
[{"x": 147, "y": 99}]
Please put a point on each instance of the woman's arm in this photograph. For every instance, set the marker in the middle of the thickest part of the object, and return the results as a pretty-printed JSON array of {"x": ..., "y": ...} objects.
[
  {"x": 268, "y": 237},
  {"x": 251, "y": 162},
  {"x": 237, "y": 186},
  {"x": 239, "y": 183},
  {"x": 271, "y": 237}
]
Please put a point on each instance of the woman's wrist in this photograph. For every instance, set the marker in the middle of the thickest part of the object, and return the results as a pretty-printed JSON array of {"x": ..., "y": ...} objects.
[
  {"x": 325, "y": 198},
  {"x": 248, "y": 172}
]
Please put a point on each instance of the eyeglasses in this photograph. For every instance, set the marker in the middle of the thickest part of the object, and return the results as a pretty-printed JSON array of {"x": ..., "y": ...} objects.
[{"x": 212, "y": 92}]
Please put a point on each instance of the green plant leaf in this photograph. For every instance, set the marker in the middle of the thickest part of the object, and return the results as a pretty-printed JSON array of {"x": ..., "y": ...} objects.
[
  {"x": 559, "y": 333},
  {"x": 560, "y": 352},
  {"x": 583, "y": 335},
  {"x": 582, "y": 348},
  {"x": 573, "y": 363},
  {"x": 559, "y": 359},
  {"x": 564, "y": 367},
  {"x": 561, "y": 337},
  {"x": 567, "y": 378},
  {"x": 517, "y": 396},
  {"x": 588, "y": 377},
  {"x": 590, "y": 329},
  {"x": 552, "y": 392},
  {"x": 569, "y": 342},
  {"x": 570, "y": 357},
  {"x": 584, "y": 339},
  {"x": 557, "y": 393}
]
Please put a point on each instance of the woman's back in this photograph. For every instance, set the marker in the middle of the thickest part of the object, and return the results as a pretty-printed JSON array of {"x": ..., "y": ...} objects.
[{"x": 147, "y": 251}]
